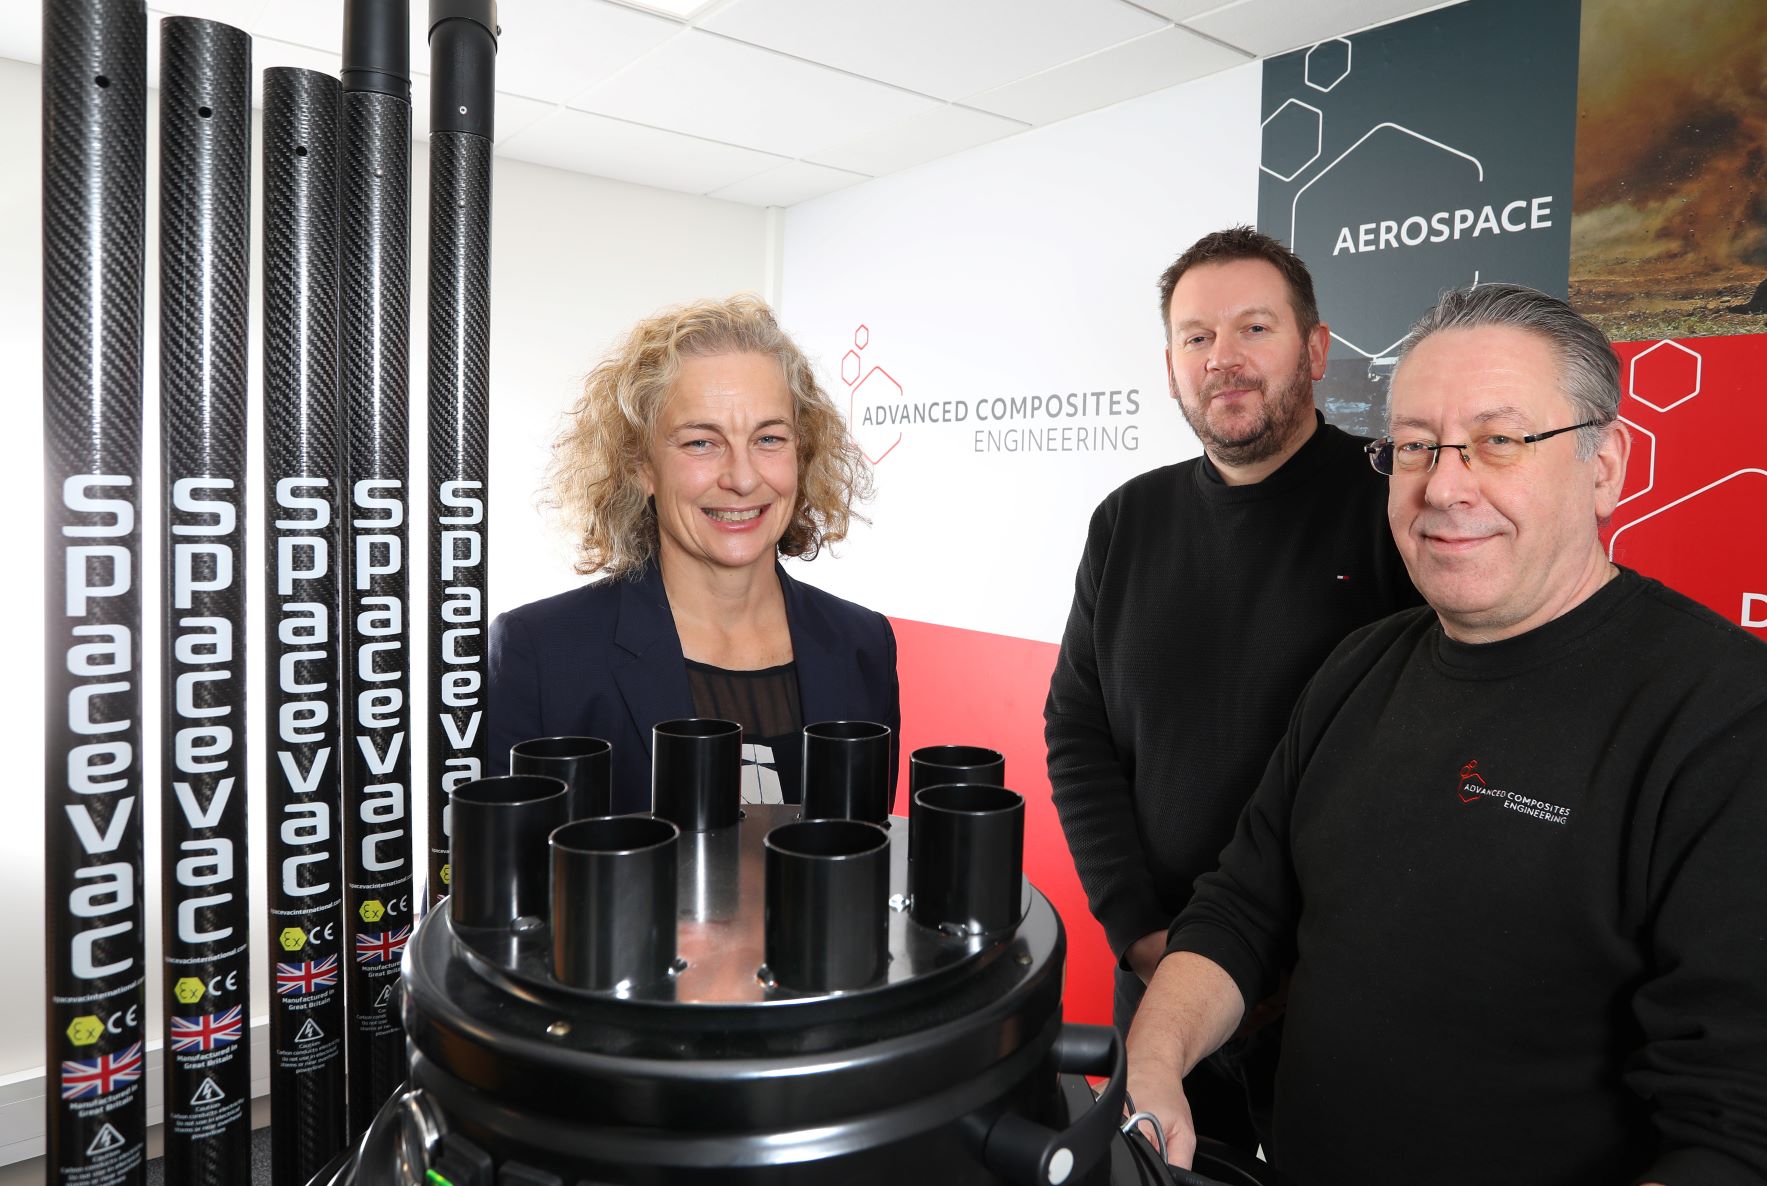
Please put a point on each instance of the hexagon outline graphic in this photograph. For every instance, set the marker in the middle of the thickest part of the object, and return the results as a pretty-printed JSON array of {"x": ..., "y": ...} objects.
[
  {"x": 862, "y": 336},
  {"x": 1307, "y": 65},
  {"x": 1318, "y": 138},
  {"x": 1614, "y": 542},
  {"x": 854, "y": 395},
  {"x": 854, "y": 356},
  {"x": 1650, "y": 480},
  {"x": 1632, "y": 375},
  {"x": 1295, "y": 205}
]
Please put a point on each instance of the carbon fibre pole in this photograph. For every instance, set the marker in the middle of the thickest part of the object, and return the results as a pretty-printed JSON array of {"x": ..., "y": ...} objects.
[
  {"x": 302, "y": 587},
  {"x": 205, "y": 238},
  {"x": 374, "y": 273},
  {"x": 463, "y": 63},
  {"x": 94, "y": 203}
]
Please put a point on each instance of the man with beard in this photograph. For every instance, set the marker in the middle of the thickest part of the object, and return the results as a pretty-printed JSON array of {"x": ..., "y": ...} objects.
[{"x": 1208, "y": 593}]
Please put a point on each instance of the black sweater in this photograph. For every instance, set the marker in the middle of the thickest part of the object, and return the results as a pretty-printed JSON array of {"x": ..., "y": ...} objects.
[
  {"x": 1523, "y": 892},
  {"x": 1200, "y": 609}
]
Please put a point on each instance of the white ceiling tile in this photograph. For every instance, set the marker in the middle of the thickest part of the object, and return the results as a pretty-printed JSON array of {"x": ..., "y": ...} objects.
[
  {"x": 939, "y": 132},
  {"x": 241, "y": 14},
  {"x": 937, "y": 47},
  {"x": 710, "y": 86},
  {"x": 1140, "y": 67},
  {"x": 787, "y": 185},
  {"x": 685, "y": 9},
  {"x": 1269, "y": 27},
  {"x": 586, "y": 143},
  {"x": 1183, "y": 10},
  {"x": 515, "y": 114},
  {"x": 554, "y": 49}
]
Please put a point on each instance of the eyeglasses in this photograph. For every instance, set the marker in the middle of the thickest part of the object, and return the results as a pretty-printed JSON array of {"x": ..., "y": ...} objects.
[{"x": 1495, "y": 450}]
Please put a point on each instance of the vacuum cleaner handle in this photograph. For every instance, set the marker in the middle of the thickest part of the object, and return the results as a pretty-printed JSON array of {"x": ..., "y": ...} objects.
[{"x": 1030, "y": 1154}]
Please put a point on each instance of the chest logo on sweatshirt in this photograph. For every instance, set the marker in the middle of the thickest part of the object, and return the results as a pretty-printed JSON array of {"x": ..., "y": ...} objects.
[{"x": 1471, "y": 787}]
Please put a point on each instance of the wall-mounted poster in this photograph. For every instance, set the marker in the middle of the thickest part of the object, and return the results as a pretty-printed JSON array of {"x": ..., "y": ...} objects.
[{"x": 1416, "y": 157}]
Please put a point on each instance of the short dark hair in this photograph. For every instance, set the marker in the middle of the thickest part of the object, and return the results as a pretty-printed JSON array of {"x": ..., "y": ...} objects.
[{"x": 1242, "y": 242}]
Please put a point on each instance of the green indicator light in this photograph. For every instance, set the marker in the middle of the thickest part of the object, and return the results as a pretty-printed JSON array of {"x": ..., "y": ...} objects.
[{"x": 436, "y": 1179}]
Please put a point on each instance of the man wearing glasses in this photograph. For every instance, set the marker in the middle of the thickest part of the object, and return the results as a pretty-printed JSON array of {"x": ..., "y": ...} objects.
[
  {"x": 1510, "y": 848},
  {"x": 1208, "y": 593}
]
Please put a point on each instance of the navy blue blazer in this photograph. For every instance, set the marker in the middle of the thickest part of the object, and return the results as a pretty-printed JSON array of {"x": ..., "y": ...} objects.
[{"x": 605, "y": 661}]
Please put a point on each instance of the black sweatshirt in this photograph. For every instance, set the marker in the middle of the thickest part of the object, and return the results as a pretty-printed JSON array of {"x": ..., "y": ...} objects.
[
  {"x": 1200, "y": 610},
  {"x": 1522, "y": 887}
]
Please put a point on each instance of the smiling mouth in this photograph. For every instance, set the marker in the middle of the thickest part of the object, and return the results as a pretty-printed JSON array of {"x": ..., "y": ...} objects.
[{"x": 723, "y": 516}]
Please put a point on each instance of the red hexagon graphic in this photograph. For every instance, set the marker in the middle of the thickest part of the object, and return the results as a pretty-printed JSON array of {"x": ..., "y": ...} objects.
[
  {"x": 850, "y": 367},
  {"x": 1665, "y": 376},
  {"x": 874, "y": 434}
]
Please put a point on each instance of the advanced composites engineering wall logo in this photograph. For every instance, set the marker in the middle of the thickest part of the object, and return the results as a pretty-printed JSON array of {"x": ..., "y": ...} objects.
[
  {"x": 1423, "y": 155},
  {"x": 882, "y": 413}
]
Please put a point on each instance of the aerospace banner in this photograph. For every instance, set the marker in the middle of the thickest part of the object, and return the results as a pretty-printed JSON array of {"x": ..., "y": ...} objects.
[
  {"x": 1602, "y": 151},
  {"x": 1416, "y": 157}
]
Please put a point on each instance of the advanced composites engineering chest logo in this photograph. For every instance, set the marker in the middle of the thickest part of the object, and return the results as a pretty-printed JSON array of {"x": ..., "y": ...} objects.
[
  {"x": 882, "y": 412},
  {"x": 1471, "y": 787}
]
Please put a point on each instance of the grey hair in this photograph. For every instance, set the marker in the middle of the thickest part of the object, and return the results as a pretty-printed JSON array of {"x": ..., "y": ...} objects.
[{"x": 1589, "y": 371}]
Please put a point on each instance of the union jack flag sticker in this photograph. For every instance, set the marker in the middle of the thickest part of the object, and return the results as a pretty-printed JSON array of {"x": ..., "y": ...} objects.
[
  {"x": 84, "y": 1077},
  {"x": 306, "y": 977},
  {"x": 207, "y": 1032},
  {"x": 381, "y": 946}
]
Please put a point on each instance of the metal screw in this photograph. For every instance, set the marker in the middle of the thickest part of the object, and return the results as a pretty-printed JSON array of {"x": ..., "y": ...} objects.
[
  {"x": 559, "y": 1029},
  {"x": 1024, "y": 958},
  {"x": 463, "y": 109}
]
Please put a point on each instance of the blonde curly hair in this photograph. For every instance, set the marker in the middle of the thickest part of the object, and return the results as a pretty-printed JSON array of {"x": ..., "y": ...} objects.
[{"x": 594, "y": 481}]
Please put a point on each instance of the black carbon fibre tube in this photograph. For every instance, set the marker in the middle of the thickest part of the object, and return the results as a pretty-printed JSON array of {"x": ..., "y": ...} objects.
[
  {"x": 204, "y": 281},
  {"x": 463, "y": 55},
  {"x": 94, "y": 203},
  {"x": 205, "y": 239},
  {"x": 374, "y": 346},
  {"x": 302, "y": 587}
]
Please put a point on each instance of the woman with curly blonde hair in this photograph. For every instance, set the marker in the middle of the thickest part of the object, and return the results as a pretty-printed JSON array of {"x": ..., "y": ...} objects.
[{"x": 701, "y": 451}]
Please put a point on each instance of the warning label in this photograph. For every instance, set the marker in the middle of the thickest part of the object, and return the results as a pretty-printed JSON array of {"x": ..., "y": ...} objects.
[
  {"x": 312, "y": 1048},
  {"x": 210, "y": 1114},
  {"x": 110, "y": 1161}
]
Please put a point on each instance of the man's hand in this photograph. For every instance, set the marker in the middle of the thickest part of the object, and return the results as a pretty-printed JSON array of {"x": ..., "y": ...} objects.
[
  {"x": 1145, "y": 954},
  {"x": 1191, "y": 1007}
]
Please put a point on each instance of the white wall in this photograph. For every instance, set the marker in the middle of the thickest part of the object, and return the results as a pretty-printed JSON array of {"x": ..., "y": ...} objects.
[
  {"x": 1018, "y": 270},
  {"x": 574, "y": 261}
]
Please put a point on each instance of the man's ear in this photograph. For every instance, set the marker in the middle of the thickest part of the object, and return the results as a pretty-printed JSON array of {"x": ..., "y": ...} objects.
[
  {"x": 1610, "y": 467},
  {"x": 1318, "y": 349}
]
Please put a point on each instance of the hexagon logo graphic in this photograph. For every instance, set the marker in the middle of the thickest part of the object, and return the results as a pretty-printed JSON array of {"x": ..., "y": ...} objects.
[
  {"x": 83, "y": 1031},
  {"x": 1327, "y": 64},
  {"x": 292, "y": 938},
  {"x": 1293, "y": 134},
  {"x": 869, "y": 406},
  {"x": 188, "y": 990},
  {"x": 372, "y": 910},
  {"x": 1396, "y": 218},
  {"x": 1665, "y": 376},
  {"x": 868, "y": 411}
]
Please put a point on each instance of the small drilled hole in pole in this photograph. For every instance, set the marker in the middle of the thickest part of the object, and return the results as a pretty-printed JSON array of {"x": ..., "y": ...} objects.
[
  {"x": 101, "y": 80},
  {"x": 300, "y": 150},
  {"x": 205, "y": 112}
]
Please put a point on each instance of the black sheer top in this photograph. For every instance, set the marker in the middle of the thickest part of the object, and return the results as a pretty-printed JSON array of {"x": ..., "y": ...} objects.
[{"x": 765, "y": 703}]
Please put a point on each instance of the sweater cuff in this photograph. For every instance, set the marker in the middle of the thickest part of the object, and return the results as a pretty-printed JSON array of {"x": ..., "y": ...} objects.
[
  {"x": 1128, "y": 919},
  {"x": 1223, "y": 947},
  {"x": 1696, "y": 1166}
]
